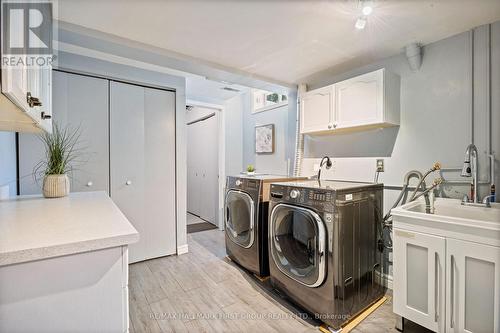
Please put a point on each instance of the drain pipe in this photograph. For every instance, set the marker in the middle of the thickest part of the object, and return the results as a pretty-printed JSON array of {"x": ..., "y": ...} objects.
[
  {"x": 472, "y": 67},
  {"x": 413, "y": 53},
  {"x": 299, "y": 138}
]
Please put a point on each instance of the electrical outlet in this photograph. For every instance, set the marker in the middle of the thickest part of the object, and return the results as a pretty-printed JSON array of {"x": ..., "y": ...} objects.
[{"x": 380, "y": 165}]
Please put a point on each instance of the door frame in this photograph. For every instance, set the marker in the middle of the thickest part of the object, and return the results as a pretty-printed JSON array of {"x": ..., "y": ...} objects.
[{"x": 221, "y": 155}]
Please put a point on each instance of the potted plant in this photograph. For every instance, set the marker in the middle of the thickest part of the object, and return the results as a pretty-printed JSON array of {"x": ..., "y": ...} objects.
[
  {"x": 250, "y": 170},
  {"x": 60, "y": 152}
]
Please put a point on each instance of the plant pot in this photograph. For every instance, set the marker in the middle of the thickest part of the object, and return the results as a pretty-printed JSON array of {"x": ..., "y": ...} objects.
[
  {"x": 250, "y": 173},
  {"x": 55, "y": 186}
]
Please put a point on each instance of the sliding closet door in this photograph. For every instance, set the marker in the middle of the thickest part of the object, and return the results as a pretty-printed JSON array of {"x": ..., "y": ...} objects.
[
  {"x": 143, "y": 165},
  {"x": 78, "y": 102},
  {"x": 159, "y": 122},
  {"x": 127, "y": 158}
]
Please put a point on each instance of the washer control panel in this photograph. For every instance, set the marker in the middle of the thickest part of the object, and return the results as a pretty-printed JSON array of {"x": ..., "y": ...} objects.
[{"x": 319, "y": 198}]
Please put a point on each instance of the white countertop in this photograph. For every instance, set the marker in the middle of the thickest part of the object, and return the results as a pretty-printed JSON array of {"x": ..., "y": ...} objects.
[{"x": 33, "y": 227}]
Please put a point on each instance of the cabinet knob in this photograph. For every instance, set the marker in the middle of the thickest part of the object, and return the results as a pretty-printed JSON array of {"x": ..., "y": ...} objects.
[
  {"x": 238, "y": 182},
  {"x": 128, "y": 182},
  {"x": 330, "y": 126},
  {"x": 89, "y": 184},
  {"x": 334, "y": 125}
]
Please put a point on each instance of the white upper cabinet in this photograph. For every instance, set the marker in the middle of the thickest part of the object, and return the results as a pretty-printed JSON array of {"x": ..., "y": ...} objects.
[
  {"x": 317, "y": 109},
  {"x": 367, "y": 101},
  {"x": 26, "y": 93}
]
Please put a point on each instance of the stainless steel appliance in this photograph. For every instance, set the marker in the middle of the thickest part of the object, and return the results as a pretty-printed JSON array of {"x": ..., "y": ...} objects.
[
  {"x": 324, "y": 249},
  {"x": 246, "y": 220}
]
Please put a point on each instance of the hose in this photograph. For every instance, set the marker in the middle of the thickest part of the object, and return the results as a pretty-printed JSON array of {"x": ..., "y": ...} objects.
[{"x": 403, "y": 197}]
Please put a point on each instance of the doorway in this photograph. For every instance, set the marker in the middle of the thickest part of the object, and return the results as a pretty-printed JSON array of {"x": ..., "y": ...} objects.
[{"x": 203, "y": 156}]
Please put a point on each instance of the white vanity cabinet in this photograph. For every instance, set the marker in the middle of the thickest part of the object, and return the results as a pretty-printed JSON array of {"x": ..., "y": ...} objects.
[
  {"x": 446, "y": 266},
  {"x": 473, "y": 287},
  {"x": 370, "y": 100},
  {"x": 443, "y": 282}
]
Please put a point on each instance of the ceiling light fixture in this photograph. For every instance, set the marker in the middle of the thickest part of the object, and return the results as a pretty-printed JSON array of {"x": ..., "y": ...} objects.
[
  {"x": 360, "y": 23},
  {"x": 367, "y": 9}
]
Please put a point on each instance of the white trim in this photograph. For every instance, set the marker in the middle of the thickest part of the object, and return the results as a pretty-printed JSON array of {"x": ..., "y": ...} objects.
[
  {"x": 182, "y": 249},
  {"x": 269, "y": 107},
  {"x": 222, "y": 156}
]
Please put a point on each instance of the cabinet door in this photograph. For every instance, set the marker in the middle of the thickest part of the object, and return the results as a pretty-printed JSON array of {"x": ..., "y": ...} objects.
[
  {"x": 316, "y": 110},
  {"x": 473, "y": 287},
  {"x": 91, "y": 169},
  {"x": 127, "y": 158},
  {"x": 418, "y": 270},
  {"x": 359, "y": 101}
]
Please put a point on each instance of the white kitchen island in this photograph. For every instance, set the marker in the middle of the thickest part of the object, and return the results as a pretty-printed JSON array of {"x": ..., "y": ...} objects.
[{"x": 64, "y": 264}]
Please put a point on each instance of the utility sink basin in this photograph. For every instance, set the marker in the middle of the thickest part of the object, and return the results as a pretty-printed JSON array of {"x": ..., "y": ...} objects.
[
  {"x": 455, "y": 209},
  {"x": 479, "y": 223}
]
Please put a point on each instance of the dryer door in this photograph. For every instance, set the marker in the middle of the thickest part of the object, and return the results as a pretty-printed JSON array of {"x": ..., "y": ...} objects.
[
  {"x": 240, "y": 218},
  {"x": 298, "y": 243}
]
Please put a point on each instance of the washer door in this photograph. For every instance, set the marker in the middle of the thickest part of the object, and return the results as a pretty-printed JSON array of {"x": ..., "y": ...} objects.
[
  {"x": 298, "y": 240},
  {"x": 240, "y": 217}
]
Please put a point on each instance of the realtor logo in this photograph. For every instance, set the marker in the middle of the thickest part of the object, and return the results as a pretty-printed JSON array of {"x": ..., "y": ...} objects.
[{"x": 27, "y": 33}]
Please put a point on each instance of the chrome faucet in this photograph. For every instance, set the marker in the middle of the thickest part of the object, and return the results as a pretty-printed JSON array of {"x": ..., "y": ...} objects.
[{"x": 470, "y": 169}]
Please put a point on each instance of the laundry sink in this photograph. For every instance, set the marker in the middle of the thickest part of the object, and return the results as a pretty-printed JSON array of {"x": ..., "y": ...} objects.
[
  {"x": 454, "y": 209},
  {"x": 481, "y": 223}
]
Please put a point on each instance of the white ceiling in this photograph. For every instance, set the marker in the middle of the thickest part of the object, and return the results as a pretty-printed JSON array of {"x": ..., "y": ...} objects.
[{"x": 281, "y": 40}]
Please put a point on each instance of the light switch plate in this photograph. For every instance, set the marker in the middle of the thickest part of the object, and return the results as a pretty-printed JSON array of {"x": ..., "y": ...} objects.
[{"x": 380, "y": 165}]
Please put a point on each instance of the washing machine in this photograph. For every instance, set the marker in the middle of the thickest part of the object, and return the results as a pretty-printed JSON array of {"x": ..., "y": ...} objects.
[
  {"x": 324, "y": 248},
  {"x": 246, "y": 220}
]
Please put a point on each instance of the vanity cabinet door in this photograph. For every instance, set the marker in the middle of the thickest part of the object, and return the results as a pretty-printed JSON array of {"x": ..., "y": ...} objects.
[
  {"x": 418, "y": 270},
  {"x": 473, "y": 287}
]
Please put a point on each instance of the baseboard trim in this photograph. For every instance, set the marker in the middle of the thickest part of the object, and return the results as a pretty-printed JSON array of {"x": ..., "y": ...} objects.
[{"x": 182, "y": 249}]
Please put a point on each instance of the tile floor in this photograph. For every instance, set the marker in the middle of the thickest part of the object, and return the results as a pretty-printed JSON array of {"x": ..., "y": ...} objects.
[{"x": 202, "y": 291}]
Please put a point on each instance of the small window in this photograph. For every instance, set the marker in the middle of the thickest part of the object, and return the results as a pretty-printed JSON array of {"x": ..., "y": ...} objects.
[{"x": 267, "y": 100}]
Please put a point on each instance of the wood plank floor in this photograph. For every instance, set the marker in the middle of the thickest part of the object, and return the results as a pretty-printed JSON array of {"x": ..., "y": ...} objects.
[{"x": 201, "y": 291}]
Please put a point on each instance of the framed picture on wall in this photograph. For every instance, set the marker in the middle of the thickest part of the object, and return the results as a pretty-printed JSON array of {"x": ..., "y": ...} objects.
[{"x": 264, "y": 139}]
